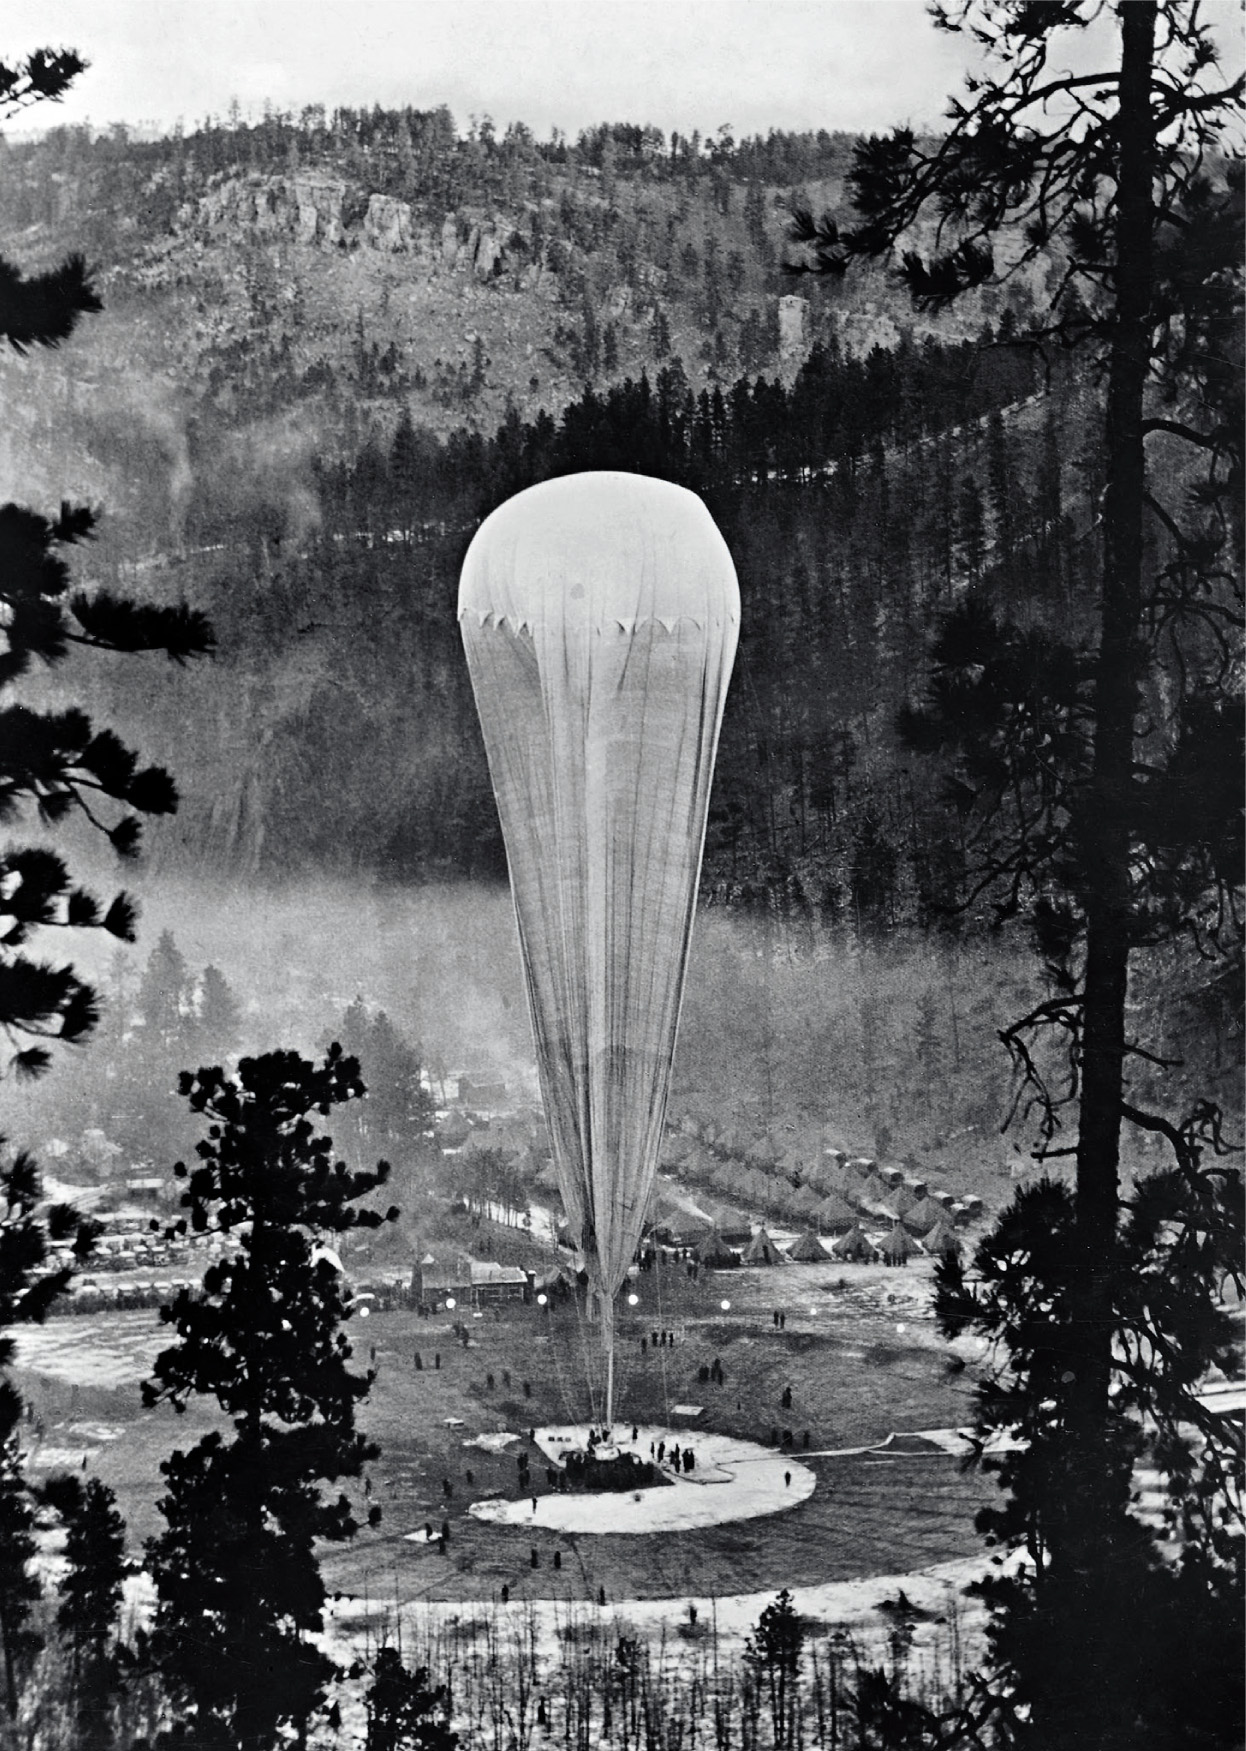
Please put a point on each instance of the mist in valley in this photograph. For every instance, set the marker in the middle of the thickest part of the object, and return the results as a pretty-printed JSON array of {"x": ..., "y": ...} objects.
[{"x": 892, "y": 1045}]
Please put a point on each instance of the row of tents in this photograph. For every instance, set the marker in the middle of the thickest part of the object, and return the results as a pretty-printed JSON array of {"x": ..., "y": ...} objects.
[
  {"x": 799, "y": 1180},
  {"x": 853, "y": 1247},
  {"x": 828, "y": 1193}
]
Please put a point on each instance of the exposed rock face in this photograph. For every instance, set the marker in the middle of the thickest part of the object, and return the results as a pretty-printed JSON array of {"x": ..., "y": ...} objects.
[
  {"x": 309, "y": 207},
  {"x": 793, "y": 328},
  {"x": 387, "y": 224},
  {"x": 487, "y": 256},
  {"x": 319, "y": 201}
]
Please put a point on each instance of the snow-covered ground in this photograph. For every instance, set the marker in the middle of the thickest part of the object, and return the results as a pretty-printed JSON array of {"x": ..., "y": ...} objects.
[
  {"x": 935, "y": 1594},
  {"x": 731, "y": 1480}
]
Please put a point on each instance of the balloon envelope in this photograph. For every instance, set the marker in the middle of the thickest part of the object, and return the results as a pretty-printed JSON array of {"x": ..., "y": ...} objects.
[{"x": 599, "y": 613}]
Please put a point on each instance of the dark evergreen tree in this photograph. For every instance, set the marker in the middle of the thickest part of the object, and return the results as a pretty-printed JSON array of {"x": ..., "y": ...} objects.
[
  {"x": 19, "y": 1585},
  {"x": 773, "y": 1652},
  {"x": 90, "y": 1599},
  {"x": 166, "y": 1002},
  {"x": 661, "y": 334},
  {"x": 1098, "y": 762},
  {"x": 217, "y": 1018},
  {"x": 405, "y": 1711},
  {"x": 56, "y": 760},
  {"x": 397, "y": 1111},
  {"x": 29, "y": 1285},
  {"x": 238, "y": 1586}
]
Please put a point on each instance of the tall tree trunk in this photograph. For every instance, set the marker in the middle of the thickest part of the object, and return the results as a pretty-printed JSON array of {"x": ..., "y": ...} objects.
[
  {"x": 10, "y": 1669},
  {"x": 1098, "y": 1487}
]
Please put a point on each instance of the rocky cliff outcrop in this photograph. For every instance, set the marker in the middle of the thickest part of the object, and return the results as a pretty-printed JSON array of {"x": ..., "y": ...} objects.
[
  {"x": 311, "y": 207},
  {"x": 307, "y": 207},
  {"x": 387, "y": 224}
]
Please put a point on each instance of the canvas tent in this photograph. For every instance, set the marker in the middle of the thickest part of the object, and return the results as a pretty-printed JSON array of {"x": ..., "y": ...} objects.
[
  {"x": 714, "y": 1254},
  {"x": 941, "y": 1243},
  {"x": 835, "y": 1213},
  {"x": 922, "y": 1216},
  {"x": 761, "y": 1250},
  {"x": 808, "y": 1250},
  {"x": 855, "y": 1246},
  {"x": 898, "y": 1247}
]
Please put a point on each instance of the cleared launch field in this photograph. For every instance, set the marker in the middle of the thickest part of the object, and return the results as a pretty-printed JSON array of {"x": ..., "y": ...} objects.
[{"x": 858, "y": 1351}]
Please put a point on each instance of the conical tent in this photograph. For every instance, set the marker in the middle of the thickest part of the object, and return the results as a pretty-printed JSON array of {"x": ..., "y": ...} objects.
[
  {"x": 898, "y": 1246},
  {"x": 808, "y": 1250},
  {"x": 941, "y": 1242},
  {"x": 599, "y": 614},
  {"x": 922, "y": 1216},
  {"x": 835, "y": 1213},
  {"x": 855, "y": 1245},
  {"x": 714, "y": 1253},
  {"x": 761, "y": 1250}
]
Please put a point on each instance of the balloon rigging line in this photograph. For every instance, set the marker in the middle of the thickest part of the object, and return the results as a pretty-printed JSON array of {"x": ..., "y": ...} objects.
[
  {"x": 657, "y": 1271},
  {"x": 581, "y": 1322},
  {"x": 564, "y": 1394}
]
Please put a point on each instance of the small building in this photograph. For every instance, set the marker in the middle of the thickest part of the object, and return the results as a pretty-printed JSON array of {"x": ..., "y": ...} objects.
[
  {"x": 494, "y": 1282},
  {"x": 467, "y": 1282}
]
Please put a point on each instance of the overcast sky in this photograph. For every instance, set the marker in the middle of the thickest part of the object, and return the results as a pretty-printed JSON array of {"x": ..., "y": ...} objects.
[{"x": 680, "y": 64}]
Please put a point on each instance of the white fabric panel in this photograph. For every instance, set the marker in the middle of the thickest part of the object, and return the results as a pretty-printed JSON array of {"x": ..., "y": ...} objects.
[{"x": 599, "y": 614}]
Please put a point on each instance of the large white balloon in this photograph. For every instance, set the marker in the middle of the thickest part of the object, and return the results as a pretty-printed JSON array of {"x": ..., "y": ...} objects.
[{"x": 600, "y": 614}]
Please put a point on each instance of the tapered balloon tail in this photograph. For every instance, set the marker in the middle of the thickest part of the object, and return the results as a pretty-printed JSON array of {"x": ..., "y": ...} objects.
[{"x": 607, "y": 1344}]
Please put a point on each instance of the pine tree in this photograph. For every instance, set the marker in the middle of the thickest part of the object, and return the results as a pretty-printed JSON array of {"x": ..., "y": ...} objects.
[
  {"x": 660, "y": 334},
  {"x": 238, "y": 1587},
  {"x": 405, "y": 1711},
  {"x": 773, "y": 1652},
  {"x": 166, "y": 1000},
  {"x": 29, "y": 1285},
  {"x": 1098, "y": 779},
  {"x": 218, "y": 1016},
  {"x": 56, "y": 760},
  {"x": 90, "y": 1598},
  {"x": 19, "y": 1585}
]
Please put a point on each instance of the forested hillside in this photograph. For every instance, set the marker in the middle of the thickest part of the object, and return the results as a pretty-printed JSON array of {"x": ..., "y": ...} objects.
[{"x": 331, "y": 345}]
